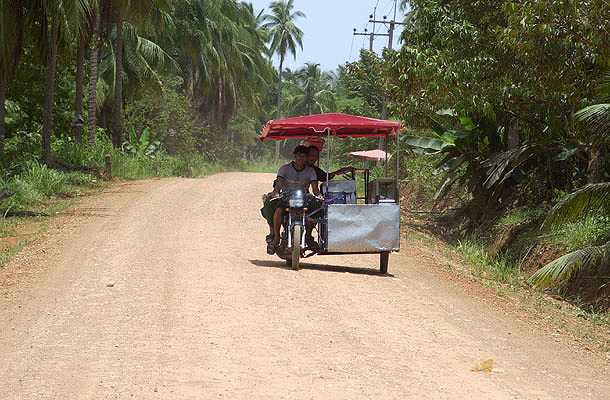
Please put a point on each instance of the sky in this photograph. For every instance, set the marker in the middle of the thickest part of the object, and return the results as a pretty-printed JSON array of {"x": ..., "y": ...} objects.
[{"x": 328, "y": 30}]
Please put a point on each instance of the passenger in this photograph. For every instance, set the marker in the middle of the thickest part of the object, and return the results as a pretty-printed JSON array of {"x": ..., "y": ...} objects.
[
  {"x": 314, "y": 156},
  {"x": 296, "y": 175},
  {"x": 315, "y": 204}
]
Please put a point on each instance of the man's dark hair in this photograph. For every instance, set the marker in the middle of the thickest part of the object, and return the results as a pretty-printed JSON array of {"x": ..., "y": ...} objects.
[
  {"x": 312, "y": 147},
  {"x": 301, "y": 149}
]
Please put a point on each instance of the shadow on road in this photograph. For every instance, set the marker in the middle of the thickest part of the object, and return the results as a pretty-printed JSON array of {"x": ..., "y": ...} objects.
[
  {"x": 89, "y": 212},
  {"x": 321, "y": 267}
]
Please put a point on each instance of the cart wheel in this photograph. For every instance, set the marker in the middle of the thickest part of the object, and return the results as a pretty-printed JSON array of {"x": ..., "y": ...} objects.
[
  {"x": 383, "y": 262},
  {"x": 296, "y": 246}
]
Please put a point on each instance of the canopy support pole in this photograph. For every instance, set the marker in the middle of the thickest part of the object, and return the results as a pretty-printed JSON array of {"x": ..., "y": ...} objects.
[
  {"x": 328, "y": 157},
  {"x": 397, "y": 167},
  {"x": 385, "y": 149}
]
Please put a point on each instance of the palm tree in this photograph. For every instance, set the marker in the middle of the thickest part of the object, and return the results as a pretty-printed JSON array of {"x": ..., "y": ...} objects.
[
  {"x": 578, "y": 205},
  {"x": 117, "y": 126},
  {"x": 138, "y": 13},
  {"x": 86, "y": 33},
  {"x": 12, "y": 20},
  {"x": 285, "y": 36},
  {"x": 219, "y": 48},
  {"x": 311, "y": 91},
  {"x": 93, "y": 74},
  {"x": 61, "y": 17}
]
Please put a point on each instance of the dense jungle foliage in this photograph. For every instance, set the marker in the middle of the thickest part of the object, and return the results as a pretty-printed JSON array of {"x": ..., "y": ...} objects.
[
  {"x": 506, "y": 105},
  {"x": 514, "y": 95}
]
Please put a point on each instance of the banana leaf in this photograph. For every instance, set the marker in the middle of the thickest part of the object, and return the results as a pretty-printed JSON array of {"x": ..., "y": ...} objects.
[
  {"x": 425, "y": 145},
  {"x": 447, "y": 111},
  {"x": 499, "y": 162},
  {"x": 567, "y": 152},
  {"x": 449, "y": 165},
  {"x": 445, "y": 184}
]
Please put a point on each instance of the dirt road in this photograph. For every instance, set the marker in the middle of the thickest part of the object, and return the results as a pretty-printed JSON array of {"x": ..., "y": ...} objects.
[{"x": 162, "y": 289}]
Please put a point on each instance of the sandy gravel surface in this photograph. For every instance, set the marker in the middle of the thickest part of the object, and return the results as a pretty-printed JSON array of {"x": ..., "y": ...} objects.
[{"x": 162, "y": 289}]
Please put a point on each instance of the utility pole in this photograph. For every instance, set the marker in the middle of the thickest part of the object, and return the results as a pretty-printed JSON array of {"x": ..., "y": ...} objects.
[
  {"x": 366, "y": 33},
  {"x": 392, "y": 25}
]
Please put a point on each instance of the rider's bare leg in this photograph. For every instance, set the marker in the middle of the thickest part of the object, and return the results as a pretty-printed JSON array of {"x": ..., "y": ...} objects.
[
  {"x": 311, "y": 242},
  {"x": 277, "y": 222},
  {"x": 308, "y": 229}
]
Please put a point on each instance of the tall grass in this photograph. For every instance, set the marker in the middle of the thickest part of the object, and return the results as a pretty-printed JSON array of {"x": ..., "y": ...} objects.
[
  {"x": 498, "y": 267},
  {"x": 35, "y": 183},
  {"x": 591, "y": 231}
]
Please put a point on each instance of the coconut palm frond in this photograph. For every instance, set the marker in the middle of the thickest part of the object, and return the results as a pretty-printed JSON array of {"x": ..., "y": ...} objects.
[
  {"x": 590, "y": 259},
  {"x": 578, "y": 204},
  {"x": 598, "y": 115}
]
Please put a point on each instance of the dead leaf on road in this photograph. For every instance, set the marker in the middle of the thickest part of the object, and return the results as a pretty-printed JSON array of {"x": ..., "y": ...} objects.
[{"x": 485, "y": 366}]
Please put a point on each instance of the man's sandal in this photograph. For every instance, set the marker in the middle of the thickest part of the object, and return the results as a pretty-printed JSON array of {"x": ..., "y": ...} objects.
[
  {"x": 269, "y": 238},
  {"x": 312, "y": 244},
  {"x": 271, "y": 247}
]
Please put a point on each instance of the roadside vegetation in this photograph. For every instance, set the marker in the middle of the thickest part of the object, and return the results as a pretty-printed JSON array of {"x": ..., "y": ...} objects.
[
  {"x": 506, "y": 106},
  {"x": 508, "y": 102}
]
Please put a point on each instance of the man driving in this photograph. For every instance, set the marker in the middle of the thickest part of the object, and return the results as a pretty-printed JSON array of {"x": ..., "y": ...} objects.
[{"x": 296, "y": 175}]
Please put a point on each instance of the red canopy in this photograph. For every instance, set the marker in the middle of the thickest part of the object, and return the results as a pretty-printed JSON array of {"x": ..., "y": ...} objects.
[
  {"x": 341, "y": 125},
  {"x": 374, "y": 155}
]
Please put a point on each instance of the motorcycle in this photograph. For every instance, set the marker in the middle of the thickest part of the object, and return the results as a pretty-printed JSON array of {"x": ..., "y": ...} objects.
[{"x": 292, "y": 234}]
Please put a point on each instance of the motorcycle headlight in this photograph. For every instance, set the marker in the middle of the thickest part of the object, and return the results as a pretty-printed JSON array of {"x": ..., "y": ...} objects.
[{"x": 297, "y": 202}]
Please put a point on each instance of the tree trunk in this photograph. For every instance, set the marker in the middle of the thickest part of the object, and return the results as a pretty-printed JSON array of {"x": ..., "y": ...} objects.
[
  {"x": 7, "y": 74},
  {"x": 47, "y": 125},
  {"x": 279, "y": 98},
  {"x": 80, "y": 82},
  {"x": 594, "y": 168},
  {"x": 3, "y": 87},
  {"x": 219, "y": 102},
  {"x": 117, "y": 131},
  {"x": 550, "y": 171},
  {"x": 92, "y": 106}
]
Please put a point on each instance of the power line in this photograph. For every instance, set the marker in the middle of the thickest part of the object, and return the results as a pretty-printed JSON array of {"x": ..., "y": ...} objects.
[
  {"x": 388, "y": 9},
  {"x": 374, "y": 31},
  {"x": 350, "y": 49}
]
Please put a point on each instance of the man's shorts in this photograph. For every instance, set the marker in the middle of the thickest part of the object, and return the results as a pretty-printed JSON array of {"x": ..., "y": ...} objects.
[
  {"x": 314, "y": 206},
  {"x": 269, "y": 206}
]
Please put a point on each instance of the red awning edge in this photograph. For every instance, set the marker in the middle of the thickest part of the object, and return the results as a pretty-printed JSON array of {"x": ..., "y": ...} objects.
[{"x": 341, "y": 125}]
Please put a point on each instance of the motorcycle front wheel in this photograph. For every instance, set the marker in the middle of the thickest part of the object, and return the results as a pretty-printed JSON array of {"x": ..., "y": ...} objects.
[{"x": 297, "y": 232}]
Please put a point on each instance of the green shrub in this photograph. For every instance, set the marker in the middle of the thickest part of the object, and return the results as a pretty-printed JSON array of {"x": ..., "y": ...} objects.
[{"x": 45, "y": 180}]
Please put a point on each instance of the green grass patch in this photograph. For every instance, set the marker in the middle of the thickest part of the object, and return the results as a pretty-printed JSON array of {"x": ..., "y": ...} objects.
[
  {"x": 261, "y": 166},
  {"x": 482, "y": 265},
  {"x": 9, "y": 252},
  {"x": 519, "y": 215},
  {"x": 592, "y": 230}
]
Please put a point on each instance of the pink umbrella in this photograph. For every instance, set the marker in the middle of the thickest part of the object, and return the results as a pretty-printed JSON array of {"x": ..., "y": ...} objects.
[{"x": 373, "y": 155}]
